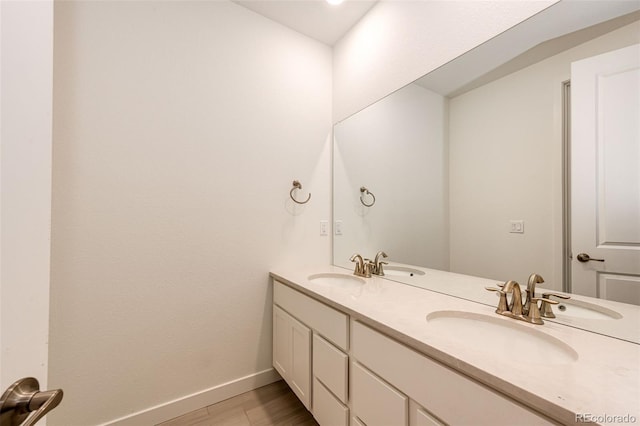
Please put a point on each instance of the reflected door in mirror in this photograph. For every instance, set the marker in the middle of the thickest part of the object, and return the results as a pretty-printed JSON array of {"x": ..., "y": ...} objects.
[{"x": 606, "y": 175}]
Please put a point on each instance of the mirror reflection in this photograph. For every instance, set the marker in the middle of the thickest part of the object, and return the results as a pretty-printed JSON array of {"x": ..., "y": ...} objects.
[{"x": 472, "y": 176}]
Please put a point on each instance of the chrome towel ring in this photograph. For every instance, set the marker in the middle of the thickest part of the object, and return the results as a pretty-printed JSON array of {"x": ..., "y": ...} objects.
[
  {"x": 363, "y": 191},
  {"x": 298, "y": 185}
]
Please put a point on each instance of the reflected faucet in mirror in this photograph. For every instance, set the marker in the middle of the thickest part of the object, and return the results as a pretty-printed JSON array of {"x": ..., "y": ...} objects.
[
  {"x": 531, "y": 291},
  {"x": 377, "y": 268},
  {"x": 545, "y": 310}
]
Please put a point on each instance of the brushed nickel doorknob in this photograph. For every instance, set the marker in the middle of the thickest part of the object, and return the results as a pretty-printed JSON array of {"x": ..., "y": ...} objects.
[
  {"x": 584, "y": 257},
  {"x": 22, "y": 399}
]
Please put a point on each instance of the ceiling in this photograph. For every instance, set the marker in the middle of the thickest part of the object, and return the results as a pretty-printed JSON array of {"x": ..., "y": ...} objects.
[{"x": 315, "y": 18}]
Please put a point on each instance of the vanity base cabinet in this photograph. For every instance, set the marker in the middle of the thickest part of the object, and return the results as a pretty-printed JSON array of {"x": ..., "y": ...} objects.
[
  {"x": 448, "y": 395},
  {"x": 309, "y": 338},
  {"x": 347, "y": 373},
  {"x": 292, "y": 353}
]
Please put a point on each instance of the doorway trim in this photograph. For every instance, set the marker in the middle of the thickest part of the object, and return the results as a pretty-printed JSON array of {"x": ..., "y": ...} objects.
[{"x": 566, "y": 186}]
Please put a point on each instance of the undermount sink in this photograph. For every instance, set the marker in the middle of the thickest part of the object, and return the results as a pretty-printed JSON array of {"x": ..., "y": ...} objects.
[
  {"x": 403, "y": 271},
  {"x": 337, "y": 280},
  {"x": 579, "y": 309},
  {"x": 502, "y": 337}
]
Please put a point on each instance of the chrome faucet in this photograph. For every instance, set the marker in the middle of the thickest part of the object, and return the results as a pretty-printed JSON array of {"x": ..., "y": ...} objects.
[
  {"x": 377, "y": 267},
  {"x": 363, "y": 268},
  {"x": 531, "y": 291}
]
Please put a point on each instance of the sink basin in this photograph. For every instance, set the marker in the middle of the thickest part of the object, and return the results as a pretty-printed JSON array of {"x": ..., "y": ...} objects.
[
  {"x": 579, "y": 309},
  {"x": 401, "y": 271},
  {"x": 502, "y": 337},
  {"x": 336, "y": 279}
]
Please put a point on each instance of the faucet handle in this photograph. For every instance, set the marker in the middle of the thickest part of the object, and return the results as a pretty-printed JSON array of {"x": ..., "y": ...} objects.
[
  {"x": 534, "y": 311},
  {"x": 545, "y": 309},
  {"x": 502, "y": 303},
  {"x": 380, "y": 268},
  {"x": 544, "y": 300},
  {"x": 559, "y": 296}
]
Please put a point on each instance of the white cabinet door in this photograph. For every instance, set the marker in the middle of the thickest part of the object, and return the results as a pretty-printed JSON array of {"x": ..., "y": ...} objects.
[
  {"x": 300, "y": 378},
  {"x": 292, "y": 353},
  {"x": 281, "y": 343}
]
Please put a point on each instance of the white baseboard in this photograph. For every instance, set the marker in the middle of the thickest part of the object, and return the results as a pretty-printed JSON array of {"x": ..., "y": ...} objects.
[{"x": 177, "y": 407}]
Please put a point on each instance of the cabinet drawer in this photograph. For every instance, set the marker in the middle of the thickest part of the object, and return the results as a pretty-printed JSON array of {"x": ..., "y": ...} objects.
[
  {"x": 356, "y": 422},
  {"x": 327, "y": 410},
  {"x": 418, "y": 416},
  {"x": 331, "y": 367},
  {"x": 375, "y": 402},
  {"x": 330, "y": 323},
  {"x": 435, "y": 386}
]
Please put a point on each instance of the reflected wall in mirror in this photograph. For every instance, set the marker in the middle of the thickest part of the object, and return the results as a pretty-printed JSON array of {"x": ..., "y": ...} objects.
[
  {"x": 457, "y": 167},
  {"x": 397, "y": 149}
]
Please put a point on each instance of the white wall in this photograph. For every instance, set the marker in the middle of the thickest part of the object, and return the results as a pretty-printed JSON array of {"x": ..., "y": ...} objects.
[
  {"x": 26, "y": 34},
  {"x": 178, "y": 130},
  {"x": 400, "y": 41},
  {"x": 505, "y": 163},
  {"x": 396, "y": 148}
]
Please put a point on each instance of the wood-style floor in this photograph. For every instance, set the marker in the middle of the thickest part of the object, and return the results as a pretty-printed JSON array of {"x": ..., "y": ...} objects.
[{"x": 274, "y": 404}]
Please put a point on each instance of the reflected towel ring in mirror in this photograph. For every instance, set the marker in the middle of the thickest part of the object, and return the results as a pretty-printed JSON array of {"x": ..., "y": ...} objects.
[
  {"x": 298, "y": 185},
  {"x": 365, "y": 190}
]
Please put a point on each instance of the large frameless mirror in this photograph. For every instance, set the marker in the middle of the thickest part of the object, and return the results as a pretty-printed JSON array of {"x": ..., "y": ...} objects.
[{"x": 467, "y": 169}]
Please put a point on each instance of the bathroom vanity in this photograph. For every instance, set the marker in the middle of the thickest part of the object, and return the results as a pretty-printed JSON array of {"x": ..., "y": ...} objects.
[{"x": 370, "y": 351}]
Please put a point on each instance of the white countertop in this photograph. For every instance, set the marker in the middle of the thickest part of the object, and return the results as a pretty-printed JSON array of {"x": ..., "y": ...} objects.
[{"x": 603, "y": 381}]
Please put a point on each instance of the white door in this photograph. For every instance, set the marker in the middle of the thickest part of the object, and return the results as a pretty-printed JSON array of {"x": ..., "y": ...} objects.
[
  {"x": 26, "y": 56},
  {"x": 605, "y": 175}
]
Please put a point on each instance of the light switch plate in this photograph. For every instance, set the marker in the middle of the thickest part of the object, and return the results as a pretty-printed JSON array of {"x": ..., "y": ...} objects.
[
  {"x": 516, "y": 226},
  {"x": 324, "y": 228},
  {"x": 338, "y": 227}
]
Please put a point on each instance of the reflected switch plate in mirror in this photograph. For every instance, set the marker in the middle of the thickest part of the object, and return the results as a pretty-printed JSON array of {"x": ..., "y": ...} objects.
[{"x": 517, "y": 226}]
